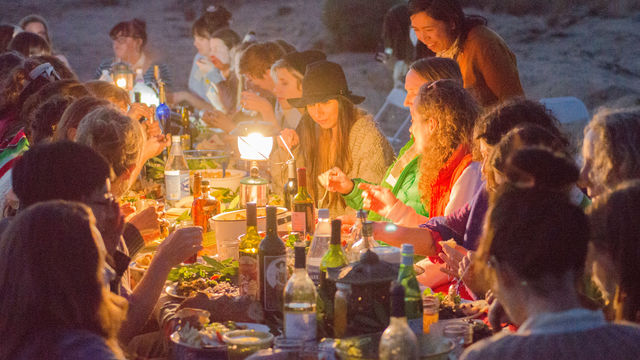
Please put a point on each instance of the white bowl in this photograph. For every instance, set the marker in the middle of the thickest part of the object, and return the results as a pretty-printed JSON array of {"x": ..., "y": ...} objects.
[{"x": 231, "y": 180}]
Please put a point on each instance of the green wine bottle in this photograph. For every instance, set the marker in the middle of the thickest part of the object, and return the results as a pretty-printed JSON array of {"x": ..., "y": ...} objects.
[{"x": 412, "y": 295}]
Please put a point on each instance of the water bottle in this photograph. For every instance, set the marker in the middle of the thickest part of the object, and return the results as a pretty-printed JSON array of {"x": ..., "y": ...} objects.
[{"x": 319, "y": 245}]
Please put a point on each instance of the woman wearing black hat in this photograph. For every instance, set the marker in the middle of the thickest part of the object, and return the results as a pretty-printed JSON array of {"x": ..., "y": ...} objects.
[{"x": 334, "y": 132}]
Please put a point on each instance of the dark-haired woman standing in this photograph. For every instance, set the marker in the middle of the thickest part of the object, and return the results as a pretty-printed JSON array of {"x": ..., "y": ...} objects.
[
  {"x": 129, "y": 39},
  {"x": 489, "y": 68}
]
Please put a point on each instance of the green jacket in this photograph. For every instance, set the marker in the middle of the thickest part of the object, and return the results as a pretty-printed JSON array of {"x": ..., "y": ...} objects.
[{"x": 405, "y": 189}]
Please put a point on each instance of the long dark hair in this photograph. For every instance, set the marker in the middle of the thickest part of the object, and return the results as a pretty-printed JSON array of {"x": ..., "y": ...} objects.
[
  {"x": 449, "y": 11},
  {"x": 30, "y": 44},
  {"x": 214, "y": 19},
  {"x": 51, "y": 275},
  {"x": 616, "y": 231},
  {"x": 395, "y": 33},
  {"x": 317, "y": 151}
]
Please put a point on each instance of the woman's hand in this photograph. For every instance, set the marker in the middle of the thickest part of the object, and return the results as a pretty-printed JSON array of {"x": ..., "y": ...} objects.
[
  {"x": 497, "y": 315},
  {"x": 452, "y": 259},
  {"x": 290, "y": 137},
  {"x": 155, "y": 142},
  {"x": 336, "y": 181},
  {"x": 377, "y": 198},
  {"x": 179, "y": 246},
  {"x": 218, "y": 119},
  {"x": 252, "y": 101},
  {"x": 138, "y": 111},
  {"x": 204, "y": 65},
  {"x": 146, "y": 220}
]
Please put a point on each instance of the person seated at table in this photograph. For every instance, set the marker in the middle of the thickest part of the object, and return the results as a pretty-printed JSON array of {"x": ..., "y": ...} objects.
[
  {"x": 38, "y": 25},
  {"x": 402, "y": 176},
  {"x": 120, "y": 140},
  {"x": 610, "y": 150},
  {"x": 489, "y": 68},
  {"x": 129, "y": 40},
  {"x": 68, "y": 125},
  {"x": 62, "y": 307},
  {"x": 110, "y": 92},
  {"x": 9, "y": 60},
  {"x": 41, "y": 126},
  {"x": 203, "y": 73},
  {"x": 50, "y": 171},
  {"x": 614, "y": 249},
  {"x": 443, "y": 117},
  {"x": 63, "y": 70},
  {"x": 335, "y": 132},
  {"x": 7, "y": 32},
  {"x": 535, "y": 247},
  {"x": 69, "y": 88},
  {"x": 29, "y": 45}
]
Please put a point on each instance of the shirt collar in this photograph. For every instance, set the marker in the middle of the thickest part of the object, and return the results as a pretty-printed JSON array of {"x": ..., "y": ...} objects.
[{"x": 572, "y": 320}]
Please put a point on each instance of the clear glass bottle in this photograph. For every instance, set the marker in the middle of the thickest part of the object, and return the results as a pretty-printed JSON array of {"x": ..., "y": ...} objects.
[
  {"x": 210, "y": 206},
  {"x": 319, "y": 245},
  {"x": 302, "y": 215},
  {"x": 355, "y": 234},
  {"x": 248, "y": 255},
  {"x": 291, "y": 186},
  {"x": 196, "y": 206},
  {"x": 272, "y": 256},
  {"x": 341, "y": 309},
  {"x": 300, "y": 301},
  {"x": 365, "y": 242},
  {"x": 185, "y": 129},
  {"x": 398, "y": 342},
  {"x": 176, "y": 174}
]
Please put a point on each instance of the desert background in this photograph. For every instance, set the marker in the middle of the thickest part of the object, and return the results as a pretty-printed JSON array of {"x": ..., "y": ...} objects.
[{"x": 588, "y": 49}]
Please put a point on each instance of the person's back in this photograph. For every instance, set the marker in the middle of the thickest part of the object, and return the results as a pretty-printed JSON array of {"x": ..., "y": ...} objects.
[
  {"x": 69, "y": 345},
  {"x": 573, "y": 334}
]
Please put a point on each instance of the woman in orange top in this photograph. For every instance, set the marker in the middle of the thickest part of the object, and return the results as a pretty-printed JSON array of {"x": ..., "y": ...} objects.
[{"x": 489, "y": 68}]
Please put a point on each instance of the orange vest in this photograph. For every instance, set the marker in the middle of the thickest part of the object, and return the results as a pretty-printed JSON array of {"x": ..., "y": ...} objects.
[{"x": 447, "y": 177}]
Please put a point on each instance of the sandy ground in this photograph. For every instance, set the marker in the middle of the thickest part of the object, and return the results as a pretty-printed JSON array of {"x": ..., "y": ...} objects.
[{"x": 594, "y": 59}]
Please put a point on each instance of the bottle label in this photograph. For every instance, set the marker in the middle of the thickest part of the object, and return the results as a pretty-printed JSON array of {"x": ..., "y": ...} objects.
[
  {"x": 300, "y": 325},
  {"x": 313, "y": 269},
  {"x": 172, "y": 186},
  {"x": 275, "y": 279},
  {"x": 184, "y": 184},
  {"x": 298, "y": 221},
  {"x": 416, "y": 325},
  {"x": 248, "y": 276}
]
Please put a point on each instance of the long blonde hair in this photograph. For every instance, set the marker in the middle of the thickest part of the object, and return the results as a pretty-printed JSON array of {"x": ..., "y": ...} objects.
[
  {"x": 51, "y": 276},
  {"x": 455, "y": 112}
]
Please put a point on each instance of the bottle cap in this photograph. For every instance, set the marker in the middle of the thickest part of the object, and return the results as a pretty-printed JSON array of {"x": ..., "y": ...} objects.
[
  {"x": 300, "y": 256},
  {"x": 323, "y": 213},
  {"x": 397, "y": 300},
  {"x": 361, "y": 214}
]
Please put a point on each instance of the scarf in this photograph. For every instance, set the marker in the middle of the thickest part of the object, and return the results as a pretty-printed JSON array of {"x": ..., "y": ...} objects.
[{"x": 447, "y": 177}]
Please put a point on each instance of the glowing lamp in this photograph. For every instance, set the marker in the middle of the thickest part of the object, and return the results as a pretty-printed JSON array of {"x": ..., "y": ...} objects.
[{"x": 122, "y": 76}]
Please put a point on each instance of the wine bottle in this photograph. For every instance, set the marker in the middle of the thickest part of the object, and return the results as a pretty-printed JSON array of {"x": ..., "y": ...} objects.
[
  {"x": 248, "y": 255},
  {"x": 273, "y": 267},
  {"x": 398, "y": 342},
  {"x": 163, "y": 112},
  {"x": 176, "y": 174},
  {"x": 335, "y": 257},
  {"x": 302, "y": 216},
  {"x": 185, "y": 130},
  {"x": 291, "y": 186},
  {"x": 319, "y": 245},
  {"x": 300, "y": 301},
  {"x": 412, "y": 294}
]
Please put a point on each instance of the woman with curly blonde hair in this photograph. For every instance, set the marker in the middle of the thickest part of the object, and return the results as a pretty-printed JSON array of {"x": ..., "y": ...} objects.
[
  {"x": 442, "y": 125},
  {"x": 611, "y": 150}
]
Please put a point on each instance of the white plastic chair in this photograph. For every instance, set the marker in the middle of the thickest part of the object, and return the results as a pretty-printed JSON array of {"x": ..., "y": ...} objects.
[
  {"x": 570, "y": 112},
  {"x": 393, "y": 110}
]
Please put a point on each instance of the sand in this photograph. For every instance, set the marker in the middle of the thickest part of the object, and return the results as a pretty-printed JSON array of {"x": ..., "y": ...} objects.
[{"x": 595, "y": 59}]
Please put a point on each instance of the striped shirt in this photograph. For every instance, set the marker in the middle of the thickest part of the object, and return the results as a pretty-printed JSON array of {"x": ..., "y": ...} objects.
[{"x": 149, "y": 78}]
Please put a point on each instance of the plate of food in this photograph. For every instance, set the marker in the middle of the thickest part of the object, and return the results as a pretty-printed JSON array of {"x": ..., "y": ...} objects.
[
  {"x": 185, "y": 289},
  {"x": 209, "y": 337}
]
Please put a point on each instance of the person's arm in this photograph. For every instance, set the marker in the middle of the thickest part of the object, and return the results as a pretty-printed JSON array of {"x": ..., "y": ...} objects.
[
  {"x": 174, "y": 249},
  {"x": 497, "y": 64},
  {"x": 353, "y": 199},
  {"x": 465, "y": 188},
  {"x": 391, "y": 234},
  {"x": 405, "y": 215}
]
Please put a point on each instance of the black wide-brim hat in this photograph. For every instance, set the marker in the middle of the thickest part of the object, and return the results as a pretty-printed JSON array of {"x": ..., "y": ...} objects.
[{"x": 323, "y": 80}]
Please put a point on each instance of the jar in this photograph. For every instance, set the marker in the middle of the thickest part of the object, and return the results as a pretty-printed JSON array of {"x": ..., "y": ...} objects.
[
  {"x": 340, "y": 309},
  {"x": 430, "y": 311}
]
